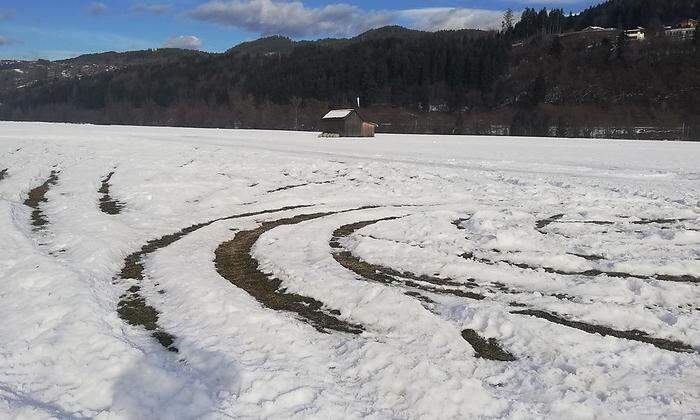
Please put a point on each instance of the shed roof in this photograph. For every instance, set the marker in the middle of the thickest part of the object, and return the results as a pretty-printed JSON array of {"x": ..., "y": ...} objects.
[{"x": 337, "y": 113}]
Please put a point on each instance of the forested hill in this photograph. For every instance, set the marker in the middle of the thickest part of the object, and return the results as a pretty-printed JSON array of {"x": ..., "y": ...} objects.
[
  {"x": 526, "y": 80},
  {"x": 621, "y": 14}
]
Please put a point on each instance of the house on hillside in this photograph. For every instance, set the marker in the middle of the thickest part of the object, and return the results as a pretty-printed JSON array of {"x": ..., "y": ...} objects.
[
  {"x": 635, "y": 34},
  {"x": 346, "y": 123},
  {"x": 684, "y": 31}
]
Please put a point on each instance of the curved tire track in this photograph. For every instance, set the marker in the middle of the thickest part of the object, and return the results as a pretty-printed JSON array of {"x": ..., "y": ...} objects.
[
  {"x": 541, "y": 224},
  {"x": 387, "y": 275},
  {"x": 380, "y": 274},
  {"x": 235, "y": 263},
  {"x": 487, "y": 349},
  {"x": 132, "y": 306},
  {"x": 634, "y": 335}
]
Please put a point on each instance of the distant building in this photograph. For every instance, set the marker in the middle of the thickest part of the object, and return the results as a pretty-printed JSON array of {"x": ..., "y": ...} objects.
[
  {"x": 346, "y": 123},
  {"x": 635, "y": 34},
  {"x": 688, "y": 23},
  {"x": 684, "y": 31}
]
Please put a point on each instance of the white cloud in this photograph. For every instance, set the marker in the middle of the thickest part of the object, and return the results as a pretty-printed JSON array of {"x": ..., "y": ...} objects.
[
  {"x": 187, "y": 42},
  {"x": 294, "y": 18},
  {"x": 96, "y": 8},
  {"x": 153, "y": 9},
  {"x": 4, "y": 41},
  {"x": 289, "y": 17},
  {"x": 437, "y": 18}
]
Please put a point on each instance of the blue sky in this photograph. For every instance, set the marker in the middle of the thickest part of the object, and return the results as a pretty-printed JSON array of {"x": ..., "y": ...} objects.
[{"x": 51, "y": 29}]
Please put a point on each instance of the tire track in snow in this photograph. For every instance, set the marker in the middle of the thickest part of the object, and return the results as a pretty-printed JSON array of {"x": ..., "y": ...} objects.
[
  {"x": 109, "y": 205},
  {"x": 133, "y": 307},
  {"x": 541, "y": 224},
  {"x": 37, "y": 196},
  {"x": 634, "y": 335},
  {"x": 388, "y": 275},
  {"x": 289, "y": 187},
  {"x": 484, "y": 348},
  {"x": 385, "y": 275},
  {"x": 235, "y": 263}
]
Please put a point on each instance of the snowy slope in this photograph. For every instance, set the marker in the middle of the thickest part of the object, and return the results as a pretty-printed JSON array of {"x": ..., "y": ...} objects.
[{"x": 243, "y": 253}]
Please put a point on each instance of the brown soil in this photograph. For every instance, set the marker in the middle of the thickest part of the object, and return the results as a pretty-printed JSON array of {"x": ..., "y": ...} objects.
[
  {"x": 389, "y": 276},
  {"x": 685, "y": 278},
  {"x": 109, "y": 205},
  {"x": 659, "y": 221},
  {"x": 386, "y": 275},
  {"x": 37, "y": 196},
  {"x": 541, "y": 224},
  {"x": 486, "y": 349},
  {"x": 289, "y": 187},
  {"x": 235, "y": 263},
  {"x": 588, "y": 257},
  {"x": 634, "y": 335},
  {"x": 132, "y": 307}
]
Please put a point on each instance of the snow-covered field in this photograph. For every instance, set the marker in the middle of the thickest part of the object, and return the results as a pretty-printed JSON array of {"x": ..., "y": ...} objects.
[{"x": 226, "y": 274}]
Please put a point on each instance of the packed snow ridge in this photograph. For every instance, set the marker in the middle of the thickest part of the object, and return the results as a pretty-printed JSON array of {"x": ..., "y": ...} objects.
[{"x": 192, "y": 273}]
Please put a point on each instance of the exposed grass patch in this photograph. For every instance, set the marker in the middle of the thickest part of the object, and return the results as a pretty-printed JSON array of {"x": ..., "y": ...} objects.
[
  {"x": 132, "y": 307},
  {"x": 634, "y": 335},
  {"x": 37, "y": 196},
  {"x": 386, "y": 275},
  {"x": 109, "y": 205},
  {"x": 235, "y": 263},
  {"x": 486, "y": 348}
]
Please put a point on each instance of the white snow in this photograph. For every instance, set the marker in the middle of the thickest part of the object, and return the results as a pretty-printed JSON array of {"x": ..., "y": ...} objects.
[
  {"x": 65, "y": 353},
  {"x": 337, "y": 113}
]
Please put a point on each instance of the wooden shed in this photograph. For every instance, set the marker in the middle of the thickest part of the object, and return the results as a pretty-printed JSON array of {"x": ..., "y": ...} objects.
[{"x": 346, "y": 123}]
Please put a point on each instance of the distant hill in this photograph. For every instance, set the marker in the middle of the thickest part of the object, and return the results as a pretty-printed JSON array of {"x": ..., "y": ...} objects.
[
  {"x": 160, "y": 55},
  {"x": 283, "y": 45},
  {"x": 269, "y": 45},
  {"x": 21, "y": 73}
]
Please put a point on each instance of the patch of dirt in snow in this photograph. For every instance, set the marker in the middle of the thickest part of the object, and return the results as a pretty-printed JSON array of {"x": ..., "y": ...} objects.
[
  {"x": 289, "y": 187},
  {"x": 108, "y": 204},
  {"x": 683, "y": 278},
  {"x": 3, "y": 174},
  {"x": 37, "y": 196},
  {"x": 132, "y": 306},
  {"x": 235, "y": 263},
  {"x": 486, "y": 348},
  {"x": 386, "y": 275},
  {"x": 634, "y": 335}
]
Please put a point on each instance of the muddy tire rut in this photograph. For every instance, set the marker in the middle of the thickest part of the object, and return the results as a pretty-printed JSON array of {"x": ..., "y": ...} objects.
[
  {"x": 389, "y": 276},
  {"x": 108, "y": 204},
  {"x": 235, "y": 263},
  {"x": 133, "y": 307},
  {"x": 37, "y": 196}
]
